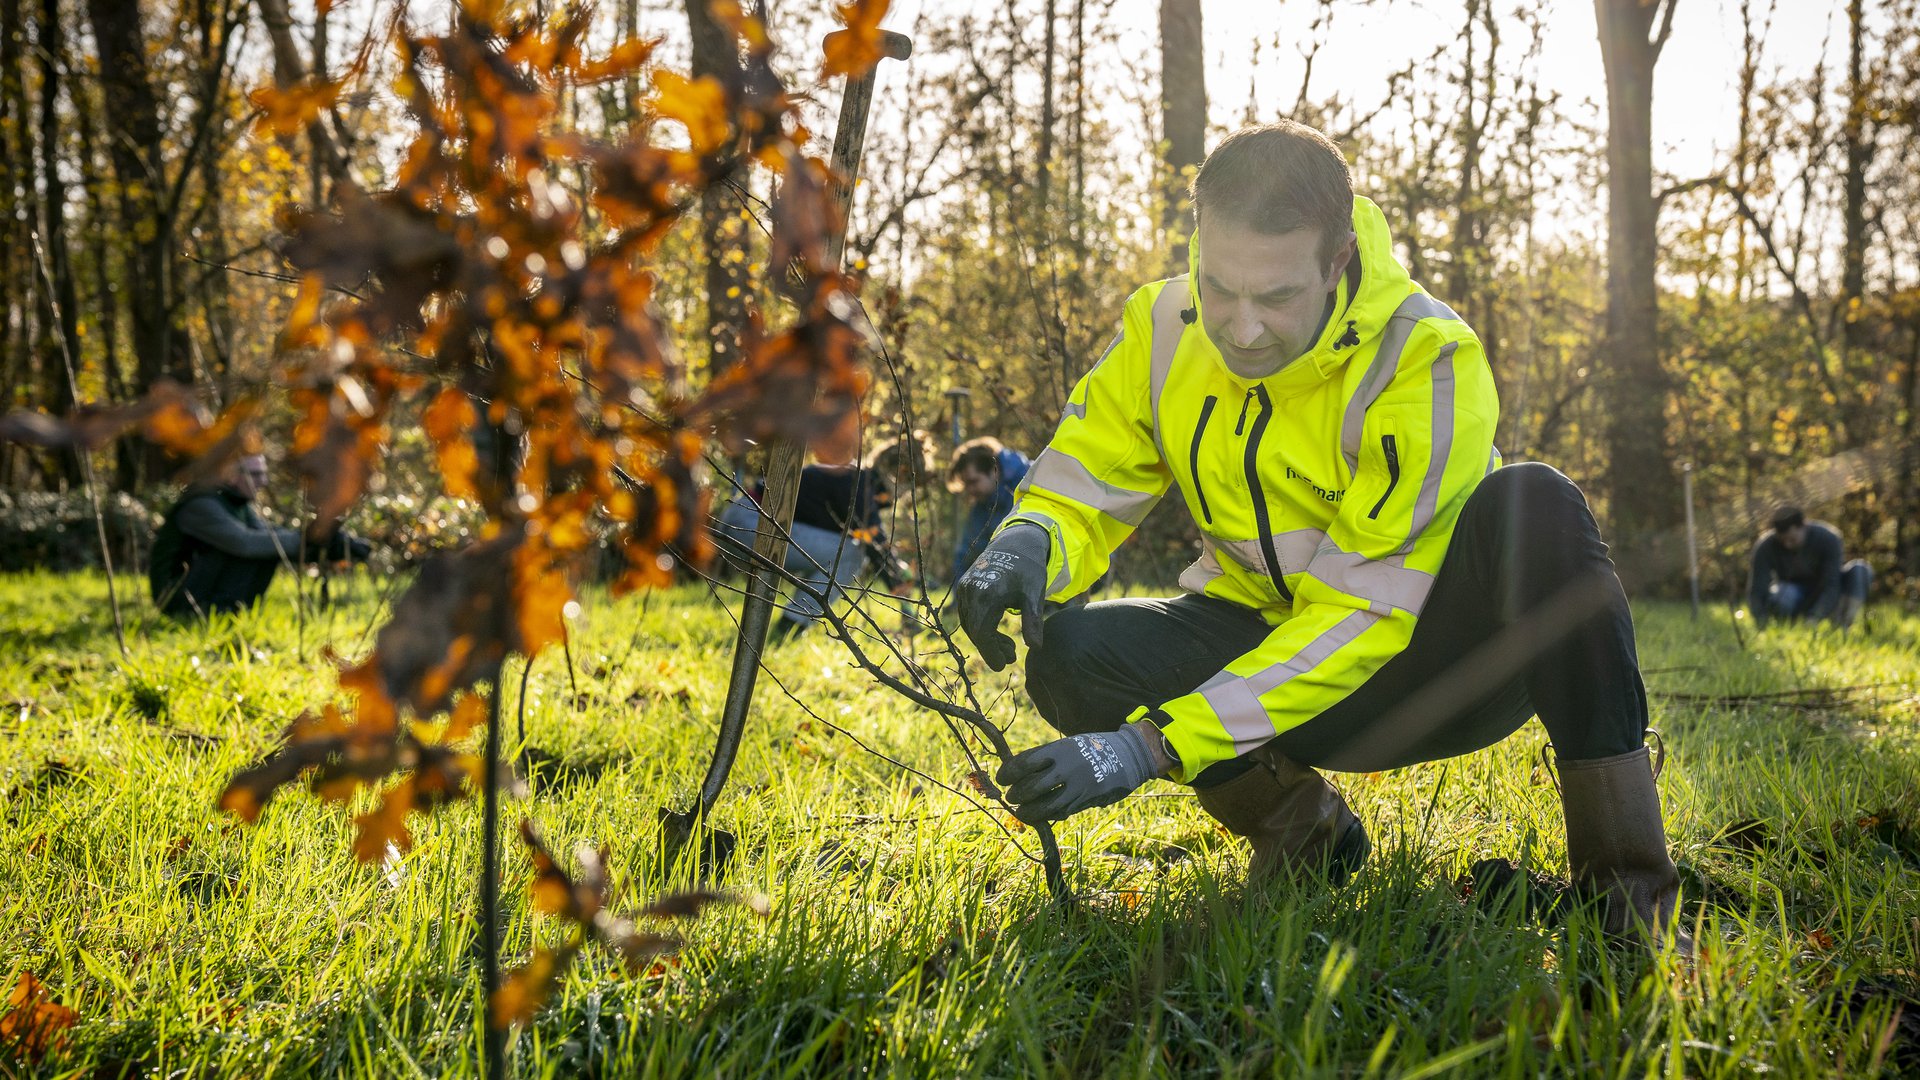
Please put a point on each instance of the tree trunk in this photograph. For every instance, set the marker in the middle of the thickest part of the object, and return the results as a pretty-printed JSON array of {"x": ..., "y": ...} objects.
[
  {"x": 1853, "y": 260},
  {"x": 1641, "y": 481},
  {"x": 14, "y": 152},
  {"x": 215, "y": 292},
  {"x": 1183, "y": 117},
  {"x": 720, "y": 223},
  {"x": 1045, "y": 171},
  {"x": 105, "y": 302},
  {"x": 134, "y": 144},
  {"x": 1078, "y": 131},
  {"x": 1907, "y": 527},
  {"x": 1467, "y": 249},
  {"x": 58, "y": 345}
]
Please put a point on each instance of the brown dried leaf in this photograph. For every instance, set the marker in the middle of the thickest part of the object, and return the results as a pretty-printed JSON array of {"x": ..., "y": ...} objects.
[
  {"x": 34, "y": 1024},
  {"x": 94, "y": 425},
  {"x": 528, "y": 986}
]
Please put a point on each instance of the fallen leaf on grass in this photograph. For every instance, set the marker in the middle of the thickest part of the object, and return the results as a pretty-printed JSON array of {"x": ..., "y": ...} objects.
[
  {"x": 34, "y": 1023},
  {"x": 1820, "y": 939},
  {"x": 662, "y": 967}
]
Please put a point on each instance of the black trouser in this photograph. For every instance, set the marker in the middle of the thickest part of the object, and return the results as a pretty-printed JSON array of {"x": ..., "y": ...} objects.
[
  {"x": 1526, "y": 616},
  {"x": 217, "y": 583}
]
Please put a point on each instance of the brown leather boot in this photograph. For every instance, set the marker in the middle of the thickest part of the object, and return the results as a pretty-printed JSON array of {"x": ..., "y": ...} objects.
[
  {"x": 1617, "y": 846},
  {"x": 1295, "y": 821}
]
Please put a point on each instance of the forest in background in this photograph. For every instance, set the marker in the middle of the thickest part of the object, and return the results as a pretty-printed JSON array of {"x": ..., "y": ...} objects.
[{"x": 1759, "y": 323}]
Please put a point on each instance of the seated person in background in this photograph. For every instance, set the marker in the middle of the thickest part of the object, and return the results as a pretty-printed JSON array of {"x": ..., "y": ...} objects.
[
  {"x": 987, "y": 473},
  {"x": 838, "y": 528},
  {"x": 1799, "y": 572},
  {"x": 214, "y": 554}
]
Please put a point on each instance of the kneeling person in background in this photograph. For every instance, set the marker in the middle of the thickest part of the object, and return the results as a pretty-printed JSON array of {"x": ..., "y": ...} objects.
[
  {"x": 838, "y": 530},
  {"x": 214, "y": 554},
  {"x": 1799, "y": 572}
]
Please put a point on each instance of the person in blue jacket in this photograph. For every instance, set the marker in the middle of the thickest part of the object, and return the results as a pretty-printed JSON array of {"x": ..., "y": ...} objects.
[
  {"x": 1800, "y": 572},
  {"x": 986, "y": 472}
]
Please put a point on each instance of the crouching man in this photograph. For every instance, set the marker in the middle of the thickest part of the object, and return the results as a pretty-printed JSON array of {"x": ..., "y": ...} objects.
[
  {"x": 214, "y": 554},
  {"x": 1374, "y": 590}
]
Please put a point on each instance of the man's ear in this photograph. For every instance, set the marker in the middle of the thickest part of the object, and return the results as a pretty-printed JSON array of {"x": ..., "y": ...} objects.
[{"x": 1341, "y": 257}]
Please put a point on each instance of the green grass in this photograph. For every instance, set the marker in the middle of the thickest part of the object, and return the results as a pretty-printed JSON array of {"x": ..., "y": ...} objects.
[{"x": 909, "y": 936}]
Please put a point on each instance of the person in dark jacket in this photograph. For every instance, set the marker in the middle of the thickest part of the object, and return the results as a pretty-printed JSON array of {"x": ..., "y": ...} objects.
[
  {"x": 214, "y": 554},
  {"x": 1800, "y": 572},
  {"x": 839, "y": 526},
  {"x": 987, "y": 473}
]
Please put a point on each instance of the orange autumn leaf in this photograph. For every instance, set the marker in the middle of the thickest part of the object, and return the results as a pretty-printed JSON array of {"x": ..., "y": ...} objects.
[
  {"x": 286, "y": 111},
  {"x": 34, "y": 1024},
  {"x": 622, "y": 60},
  {"x": 469, "y": 713},
  {"x": 524, "y": 989},
  {"x": 854, "y": 51},
  {"x": 700, "y": 104},
  {"x": 447, "y": 420},
  {"x": 385, "y": 824}
]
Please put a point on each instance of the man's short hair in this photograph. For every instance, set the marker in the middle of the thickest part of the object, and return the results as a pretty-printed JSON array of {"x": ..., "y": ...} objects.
[
  {"x": 981, "y": 455},
  {"x": 1786, "y": 517},
  {"x": 1275, "y": 178},
  {"x": 910, "y": 457}
]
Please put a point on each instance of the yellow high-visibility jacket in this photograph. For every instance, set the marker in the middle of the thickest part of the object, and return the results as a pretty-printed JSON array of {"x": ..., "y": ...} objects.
[{"x": 1325, "y": 494}]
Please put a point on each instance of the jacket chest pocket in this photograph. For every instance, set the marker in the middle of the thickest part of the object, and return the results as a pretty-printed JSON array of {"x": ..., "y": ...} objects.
[{"x": 1389, "y": 450}]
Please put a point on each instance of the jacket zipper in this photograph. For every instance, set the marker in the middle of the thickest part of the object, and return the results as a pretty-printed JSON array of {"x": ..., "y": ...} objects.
[
  {"x": 1259, "y": 497},
  {"x": 1393, "y": 473},
  {"x": 1240, "y": 425},
  {"x": 1193, "y": 457}
]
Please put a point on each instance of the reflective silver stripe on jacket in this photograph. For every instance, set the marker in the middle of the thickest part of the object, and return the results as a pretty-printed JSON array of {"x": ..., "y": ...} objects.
[
  {"x": 1063, "y": 474},
  {"x": 1442, "y": 449},
  {"x": 1235, "y": 699},
  {"x": 1384, "y": 583},
  {"x": 1296, "y": 549},
  {"x": 1204, "y": 571},
  {"x": 1168, "y": 328},
  {"x": 1393, "y": 341}
]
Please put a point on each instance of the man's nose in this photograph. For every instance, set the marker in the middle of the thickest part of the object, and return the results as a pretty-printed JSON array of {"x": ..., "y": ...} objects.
[{"x": 1246, "y": 327}]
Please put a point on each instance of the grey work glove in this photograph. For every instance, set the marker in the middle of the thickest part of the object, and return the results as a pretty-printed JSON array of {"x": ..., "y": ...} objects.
[
  {"x": 1079, "y": 772},
  {"x": 1010, "y": 575}
]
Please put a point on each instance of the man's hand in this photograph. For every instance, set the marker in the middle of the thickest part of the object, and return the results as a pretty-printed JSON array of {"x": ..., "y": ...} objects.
[
  {"x": 343, "y": 546},
  {"x": 1010, "y": 575},
  {"x": 1080, "y": 772}
]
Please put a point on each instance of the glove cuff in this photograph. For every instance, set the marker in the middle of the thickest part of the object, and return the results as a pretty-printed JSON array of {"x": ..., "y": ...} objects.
[
  {"x": 1161, "y": 760},
  {"x": 1137, "y": 755}
]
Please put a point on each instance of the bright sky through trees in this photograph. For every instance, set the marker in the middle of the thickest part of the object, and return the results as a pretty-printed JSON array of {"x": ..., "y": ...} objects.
[{"x": 1694, "y": 102}]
